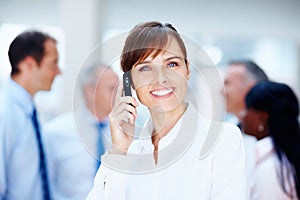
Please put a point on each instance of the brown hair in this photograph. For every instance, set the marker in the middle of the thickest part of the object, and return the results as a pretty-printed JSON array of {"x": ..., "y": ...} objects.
[{"x": 146, "y": 38}]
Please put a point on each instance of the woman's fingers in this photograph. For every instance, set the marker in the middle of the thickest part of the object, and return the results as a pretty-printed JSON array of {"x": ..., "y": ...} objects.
[
  {"x": 131, "y": 100},
  {"x": 122, "y": 118},
  {"x": 120, "y": 98},
  {"x": 124, "y": 112},
  {"x": 126, "y": 117}
]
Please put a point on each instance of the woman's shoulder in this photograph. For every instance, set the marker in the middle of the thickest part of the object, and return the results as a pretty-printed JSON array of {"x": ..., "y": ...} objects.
[
  {"x": 216, "y": 128},
  {"x": 221, "y": 130},
  {"x": 216, "y": 135},
  {"x": 230, "y": 132}
]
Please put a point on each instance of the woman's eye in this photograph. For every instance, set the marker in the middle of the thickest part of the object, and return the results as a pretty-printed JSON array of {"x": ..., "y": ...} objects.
[
  {"x": 144, "y": 68},
  {"x": 173, "y": 64}
]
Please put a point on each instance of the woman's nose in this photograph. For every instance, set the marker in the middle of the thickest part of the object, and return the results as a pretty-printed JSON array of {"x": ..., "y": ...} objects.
[{"x": 160, "y": 76}]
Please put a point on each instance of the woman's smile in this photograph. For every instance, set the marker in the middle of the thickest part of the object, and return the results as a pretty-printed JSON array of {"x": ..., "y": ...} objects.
[{"x": 162, "y": 92}]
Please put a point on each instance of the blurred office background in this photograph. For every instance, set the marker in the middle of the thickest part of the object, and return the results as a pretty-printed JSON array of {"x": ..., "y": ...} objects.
[{"x": 266, "y": 31}]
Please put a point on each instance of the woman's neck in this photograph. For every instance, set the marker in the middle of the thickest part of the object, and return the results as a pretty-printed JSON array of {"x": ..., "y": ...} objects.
[{"x": 164, "y": 121}]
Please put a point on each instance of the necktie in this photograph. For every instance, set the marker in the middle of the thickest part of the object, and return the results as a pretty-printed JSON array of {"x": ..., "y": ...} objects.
[
  {"x": 42, "y": 165},
  {"x": 100, "y": 145}
]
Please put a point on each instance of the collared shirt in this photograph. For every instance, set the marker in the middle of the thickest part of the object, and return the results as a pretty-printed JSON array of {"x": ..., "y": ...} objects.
[
  {"x": 71, "y": 151},
  {"x": 266, "y": 180},
  {"x": 19, "y": 153},
  {"x": 198, "y": 159}
]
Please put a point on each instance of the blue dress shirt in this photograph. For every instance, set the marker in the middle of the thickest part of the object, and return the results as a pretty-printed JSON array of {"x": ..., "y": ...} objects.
[{"x": 19, "y": 153}]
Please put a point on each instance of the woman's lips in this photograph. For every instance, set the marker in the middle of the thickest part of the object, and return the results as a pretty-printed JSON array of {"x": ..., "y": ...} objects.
[{"x": 162, "y": 92}]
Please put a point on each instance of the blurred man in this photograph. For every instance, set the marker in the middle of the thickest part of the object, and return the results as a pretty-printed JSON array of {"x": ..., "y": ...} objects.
[
  {"x": 240, "y": 77},
  {"x": 23, "y": 172},
  {"x": 76, "y": 141}
]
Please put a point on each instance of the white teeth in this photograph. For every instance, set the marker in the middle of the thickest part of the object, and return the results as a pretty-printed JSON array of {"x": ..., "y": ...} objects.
[{"x": 162, "y": 92}]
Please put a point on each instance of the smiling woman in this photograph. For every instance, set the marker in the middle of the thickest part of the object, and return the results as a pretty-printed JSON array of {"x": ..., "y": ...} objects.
[
  {"x": 161, "y": 81},
  {"x": 156, "y": 165}
]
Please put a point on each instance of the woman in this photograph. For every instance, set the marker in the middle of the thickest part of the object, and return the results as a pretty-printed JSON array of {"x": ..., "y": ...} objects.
[
  {"x": 165, "y": 161},
  {"x": 272, "y": 117}
]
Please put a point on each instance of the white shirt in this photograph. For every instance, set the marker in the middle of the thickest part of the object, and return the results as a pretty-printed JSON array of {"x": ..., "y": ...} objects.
[
  {"x": 250, "y": 144},
  {"x": 267, "y": 184},
  {"x": 198, "y": 159},
  {"x": 70, "y": 142}
]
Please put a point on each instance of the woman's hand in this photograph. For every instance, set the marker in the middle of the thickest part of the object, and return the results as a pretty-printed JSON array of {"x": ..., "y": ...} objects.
[{"x": 122, "y": 121}]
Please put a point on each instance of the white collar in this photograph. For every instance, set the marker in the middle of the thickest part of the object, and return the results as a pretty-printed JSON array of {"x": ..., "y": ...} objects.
[{"x": 144, "y": 136}]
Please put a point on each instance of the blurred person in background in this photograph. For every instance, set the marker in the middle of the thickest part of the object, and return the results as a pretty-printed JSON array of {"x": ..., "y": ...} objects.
[
  {"x": 240, "y": 77},
  {"x": 271, "y": 115},
  {"x": 76, "y": 140},
  {"x": 23, "y": 171}
]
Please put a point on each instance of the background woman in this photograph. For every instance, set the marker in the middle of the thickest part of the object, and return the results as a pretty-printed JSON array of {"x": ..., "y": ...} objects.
[{"x": 272, "y": 117}]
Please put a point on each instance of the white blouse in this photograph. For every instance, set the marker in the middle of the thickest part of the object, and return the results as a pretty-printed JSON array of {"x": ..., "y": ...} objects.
[
  {"x": 198, "y": 159},
  {"x": 266, "y": 180}
]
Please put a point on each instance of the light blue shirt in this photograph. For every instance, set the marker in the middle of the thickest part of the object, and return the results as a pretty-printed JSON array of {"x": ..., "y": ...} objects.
[
  {"x": 71, "y": 146},
  {"x": 19, "y": 154}
]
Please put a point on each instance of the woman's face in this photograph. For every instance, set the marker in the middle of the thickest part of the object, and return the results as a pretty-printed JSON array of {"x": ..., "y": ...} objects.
[{"x": 161, "y": 82}]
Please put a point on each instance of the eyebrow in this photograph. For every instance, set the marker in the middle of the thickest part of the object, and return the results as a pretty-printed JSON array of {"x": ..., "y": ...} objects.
[
  {"x": 167, "y": 59},
  {"x": 144, "y": 62},
  {"x": 174, "y": 57}
]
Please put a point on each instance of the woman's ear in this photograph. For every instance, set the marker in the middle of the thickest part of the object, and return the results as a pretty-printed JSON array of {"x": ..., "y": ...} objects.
[{"x": 188, "y": 69}]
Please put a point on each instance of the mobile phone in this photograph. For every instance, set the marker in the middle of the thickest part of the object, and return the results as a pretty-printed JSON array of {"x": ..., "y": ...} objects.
[{"x": 127, "y": 82}]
